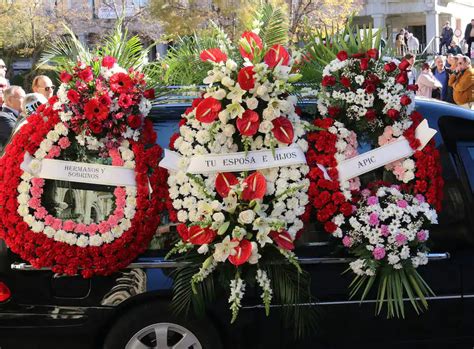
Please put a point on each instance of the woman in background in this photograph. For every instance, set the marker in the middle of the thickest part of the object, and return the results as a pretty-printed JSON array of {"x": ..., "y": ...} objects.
[{"x": 427, "y": 82}]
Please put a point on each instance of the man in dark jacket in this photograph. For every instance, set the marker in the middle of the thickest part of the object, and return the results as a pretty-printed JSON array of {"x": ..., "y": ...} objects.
[
  {"x": 446, "y": 37},
  {"x": 13, "y": 98},
  {"x": 469, "y": 37}
]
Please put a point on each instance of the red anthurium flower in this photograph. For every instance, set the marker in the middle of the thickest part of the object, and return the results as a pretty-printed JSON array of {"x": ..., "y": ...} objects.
[
  {"x": 248, "y": 123},
  {"x": 393, "y": 114},
  {"x": 373, "y": 53},
  {"x": 402, "y": 78},
  {"x": 283, "y": 130},
  {"x": 364, "y": 63},
  {"x": 183, "y": 232},
  {"x": 253, "y": 41},
  {"x": 149, "y": 94},
  {"x": 405, "y": 100},
  {"x": 276, "y": 55},
  {"x": 342, "y": 55},
  {"x": 283, "y": 239},
  {"x": 246, "y": 78},
  {"x": 404, "y": 64},
  {"x": 93, "y": 110},
  {"x": 214, "y": 55},
  {"x": 255, "y": 187},
  {"x": 243, "y": 252},
  {"x": 65, "y": 77},
  {"x": 120, "y": 83},
  {"x": 86, "y": 74},
  {"x": 134, "y": 121},
  {"x": 201, "y": 236},
  {"x": 208, "y": 110},
  {"x": 108, "y": 62},
  {"x": 390, "y": 67},
  {"x": 73, "y": 96},
  {"x": 345, "y": 81},
  {"x": 371, "y": 115},
  {"x": 328, "y": 80},
  {"x": 223, "y": 183}
]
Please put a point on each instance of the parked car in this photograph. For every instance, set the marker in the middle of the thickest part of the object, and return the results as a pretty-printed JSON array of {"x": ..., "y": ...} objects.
[{"x": 130, "y": 309}]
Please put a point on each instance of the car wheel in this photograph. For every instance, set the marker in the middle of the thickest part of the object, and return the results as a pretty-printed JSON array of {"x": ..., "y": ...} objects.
[{"x": 152, "y": 326}]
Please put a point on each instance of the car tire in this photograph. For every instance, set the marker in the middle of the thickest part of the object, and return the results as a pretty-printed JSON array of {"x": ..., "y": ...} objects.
[{"x": 151, "y": 325}]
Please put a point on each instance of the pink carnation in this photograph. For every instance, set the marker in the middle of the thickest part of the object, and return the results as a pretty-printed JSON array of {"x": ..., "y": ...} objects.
[
  {"x": 400, "y": 239},
  {"x": 113, "y": 221},
  {"x": 378, "y": 253},
  {"x": 54, "y": 152},
  {"x": 384, "y": 230},
  {"x": 420, "y": 198},
  {"x": 34, "y": 203},
  {"x": 37, "y": 182},
  {"x": 347, "y": 241},
  {"x": 81, "y": 228},
  {"x": 402, "y": 204},
  {"x": 116, "y": 158},
  {"x": 57, "y": 224},
  {"x": 69, "y": 225},
  {"x": 372, "y": 200},
  {"x": 119, "y": 213},
  {"x": 422, "y": 235},
  {"x": 41, "y": 213},
  {"x": 104, "y": 227},
  {"x": 92, "y": 229},
  {"x": 374, "y": 218},
  {"x": 36, "y": 192},
  {"x": 64, "y": 142},
  {"x": 48, "y": 220}
]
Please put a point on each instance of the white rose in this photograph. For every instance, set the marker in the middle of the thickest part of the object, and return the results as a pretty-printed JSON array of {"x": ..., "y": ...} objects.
[
  {"x": 35, "y": 166},
  {"x": 53, "y": 136},
  {"x": 246, "y": 217},
  {"x": 252, "y": 103},
  {"x": 218, "y": 217},
  {"x": 265, "y": 126},
  {"x": 228, "y": 130}
]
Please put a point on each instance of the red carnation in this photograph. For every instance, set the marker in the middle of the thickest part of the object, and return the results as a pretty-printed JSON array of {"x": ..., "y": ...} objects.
[
  {"x": 371, "y": 115},
  {"x": 276, "y": 55},
  {"x": 328, "y": 80},
  {"x": 402, "y": 78},
  {"x": 208, "y": 110},
  {"x": 86, "y": 74},
  {"x": 404, "y": 64},
  {"x": 390, "y": 67},
  {"x": 364, "y": 63},
  {"x": 253, "y": 41},
  {"x": 345, "y": 81},
  {"x": 255, "y": 187},
  {"x": 373, "y": 53},
  {"x": 120, "y": 83},
  {"x": 283, "y": 130},
  {"x": 134, "y": 121},
  {"x": 283, "y": 239},
  {"x": 200, "y": 236},
  {"x": 405, "y": 100},
  {"x": 149, "y": 94},
  {"x": 413, "y": 87},
  {"x": 342, "y": 55},
  {"x": 149, "y": 134},
  {"x": 214, "y": 55},
  {"x": 93, "y": 110},
  {"x": 65, "y": 77},
  {"x": 125, "y": 101},
  {"x": 248, "y": 123},
  {"x": 108, "y": 62},
  {"x": 173, "y": 139},
  {"x": 246, "y": 78},
  {"x": 370, "y": 88},
  {"x": 330, "y": 227},
  {"x": 242, "y": 252},
  {"x": 334, "y": 111},
  {"x": 73, "y": 96},
  {"x": 393, "y": 114},
  {"x": 223, "y": 183}
]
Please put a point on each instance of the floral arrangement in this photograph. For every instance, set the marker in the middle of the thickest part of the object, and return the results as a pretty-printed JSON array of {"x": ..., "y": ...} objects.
[
  {"x": 99, "y": 117},
  {"x": 238, "y": 221},
  {"x": 366, "y": 103}
]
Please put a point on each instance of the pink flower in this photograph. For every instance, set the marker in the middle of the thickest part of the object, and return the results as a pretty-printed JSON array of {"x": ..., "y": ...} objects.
[
  {"x": 57, "y": 224},
  {"x": 69, "y": 225},
  {"x": 92, "y": 229},
  {"x": 41, "y": 213},
  {"x": 113, "y": 221},
  {"x": 378, "y": 253},
  {"x": 36, "y": 191},
  {"x": 365, "y": 192},
  {"x": 400, "y": 239},
  {"x": 108, "y": 62},
  {"x": 347, "y": 241},
  {"x": 119, "y": 213},
  {"x": 354, "y": 184},
  {"x": 34, "y": 203},
  {"x": 372, "y": 200},
  {"x": 384, "y": 230},
  {"x": 422, "y": 235},
  {"x": 48, "y": 220},
  {"x": 399, "y": 170},
  {"x": 104, "y": 227},
  {"x": 64, "y": 142},
  {"x": 420, "y": 198},
  {"x": 37, "y": 182},
  {"x": 120, "y": 193},
  {"x": 81, "y": 228},
  {"x": 116, "y": 158},
  {"x": 54, "y": 152},
  {"x": 374, "y": 218},
  {"x": 402, "y": 203}
]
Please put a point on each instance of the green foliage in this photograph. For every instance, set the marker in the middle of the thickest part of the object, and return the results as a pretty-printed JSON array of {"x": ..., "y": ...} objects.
[{"x": 273, "y": 25}]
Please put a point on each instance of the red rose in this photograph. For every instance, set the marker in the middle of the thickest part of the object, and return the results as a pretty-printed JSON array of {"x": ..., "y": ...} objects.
[
  {"x": 249, "y": 42},
  {"x": 412, "y": 87},
  {"x": 242, "y": 252},
  {"x": 134, "y": 121},
  {"x": 370, "y": 88},
  {"x": 364, "y": 63},
  {"x": 405, "y": 100},
  {"x": 86, "y": 74},
  {"x": 393, "y": 114},
  {"x": 125, "y": 101},
  {"x": 371, "y": 115},
  {"x": 65, "y": 77},
  {"x": 328, "y": 80},
  {"x": 283, "y": 239},
  {"x": 402, "y": 78},
  {"x": 404, "y": 64},
  {"x": 283, "y": 130},
  {"x": 93, "y": 110},
  {"x": 255, "y": 187},
  {"x": 276, "y": 55},
  {"x": 73, "y": 96},
  {"x": 373, "y": 53},
  {"x": 214, "y": 55},
  {"x": 223, "y": 183},
  {"x": 200, "y": 236},
  {"x": 120, "y": 83},
  {"x": 246, "y": 78},
  {"x": 208, "y": 110},
  {"x": 149, "y": 94},
  {"x": 342, "y": 55},
  {"x": 108, "y": 62},
  {"x": 390, "y": 67},
  {"x": 248, "y": 123},
  {"x": 345, "y": 81}
]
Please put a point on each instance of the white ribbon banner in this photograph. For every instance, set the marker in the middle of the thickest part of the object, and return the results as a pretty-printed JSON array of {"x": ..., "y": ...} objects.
[
  {"x": 384, "y": 155},
  {"x": 236, "y": 162},
  {"x": 78, "y": 172}
]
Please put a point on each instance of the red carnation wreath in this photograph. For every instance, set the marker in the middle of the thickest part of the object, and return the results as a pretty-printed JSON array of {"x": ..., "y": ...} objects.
[{"x": 69, "y": 246}]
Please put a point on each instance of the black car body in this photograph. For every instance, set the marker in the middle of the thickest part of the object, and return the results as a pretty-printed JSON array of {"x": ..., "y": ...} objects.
[{"x": 47, "y": 310}]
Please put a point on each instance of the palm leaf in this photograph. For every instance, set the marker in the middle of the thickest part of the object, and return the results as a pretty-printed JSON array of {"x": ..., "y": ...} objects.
[{"x": 273, "y": 25}]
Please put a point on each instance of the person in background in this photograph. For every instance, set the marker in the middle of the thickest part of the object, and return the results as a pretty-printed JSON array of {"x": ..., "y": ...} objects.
[
  {"x": 13, "y": 99},
  {"x": 3, "y": 85},
  {"x": 3, "y": 69},
  {"x": 31, "y": 102},
  {"x": 412, "y": 43},
  {"x": 446, "y": 37},
  {"x": 43, "y": 85},
  {"x": 412, "y": 74},
  {"x": 442, "y": 75},
  {"x": 454, "y": 49},
  {"x": 463, "y": 83},
  {"x": 400, "y": 43},
  {"x": 469, "y": 37},
  {"x": 449, "y": 60},
  {"x": 427, "y": 82}
]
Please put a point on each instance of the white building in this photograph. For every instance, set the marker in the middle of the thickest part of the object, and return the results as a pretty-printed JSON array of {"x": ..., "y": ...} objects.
[{"x": 423, "y": 18}]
